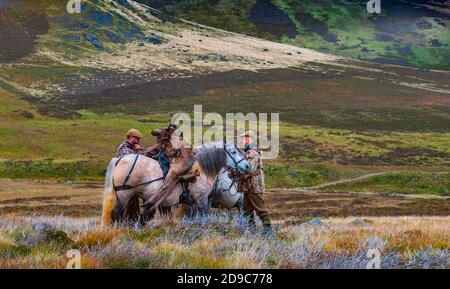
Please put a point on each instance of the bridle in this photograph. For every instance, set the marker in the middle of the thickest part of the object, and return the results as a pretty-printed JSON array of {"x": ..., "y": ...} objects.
[
  {"x": 236, "y": 163},
  {"x": 232, "y": 171},
  {"x": 177, "y": 152}
]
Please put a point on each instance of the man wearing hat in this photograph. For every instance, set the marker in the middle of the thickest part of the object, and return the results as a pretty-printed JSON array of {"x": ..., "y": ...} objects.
[
  {"x": 131, "y": 144},
  {"x": 252, "y": 184}
]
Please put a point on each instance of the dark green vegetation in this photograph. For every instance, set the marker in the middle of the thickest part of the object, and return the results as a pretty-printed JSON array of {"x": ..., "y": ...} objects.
[
  {"x": 16, "y": 29},
  {"x": 279, "y": 177},
  {"x": 53, "y": 169},
  {"x": 411, "y": 33}
]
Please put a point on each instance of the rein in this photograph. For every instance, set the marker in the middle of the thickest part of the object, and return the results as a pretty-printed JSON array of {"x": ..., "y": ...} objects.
[
  {"x": 233, "y": 177},
  {"x": 233, "y": 183}
]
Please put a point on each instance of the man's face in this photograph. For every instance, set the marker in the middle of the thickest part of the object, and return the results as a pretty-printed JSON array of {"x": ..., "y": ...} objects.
[
  {"x": 246, "y": 140},
  {"x": 134, "y": 140}
]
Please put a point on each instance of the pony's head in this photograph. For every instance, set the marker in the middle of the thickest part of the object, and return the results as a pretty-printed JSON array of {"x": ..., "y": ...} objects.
[
  {"x": 235, "y": 159},
  {"x": 162, "y": 133},
  {"x": 170, "y": 139}
]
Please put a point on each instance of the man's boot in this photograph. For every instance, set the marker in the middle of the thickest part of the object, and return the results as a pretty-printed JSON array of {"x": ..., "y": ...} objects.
[
  {"x": 251, "y": 224},
  {"x": 267, "y": 224},
  {"x": 184, "y": 197}
]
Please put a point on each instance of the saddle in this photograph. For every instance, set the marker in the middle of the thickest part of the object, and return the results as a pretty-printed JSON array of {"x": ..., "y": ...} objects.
[{"x": 164, "y": 162}]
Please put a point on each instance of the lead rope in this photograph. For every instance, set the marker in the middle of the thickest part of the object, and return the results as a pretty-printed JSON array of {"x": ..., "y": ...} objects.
[{"x": 233, "y": 182}]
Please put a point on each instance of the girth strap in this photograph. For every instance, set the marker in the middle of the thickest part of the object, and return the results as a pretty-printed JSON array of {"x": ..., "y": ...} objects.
[{"x": 129, "y": 187}]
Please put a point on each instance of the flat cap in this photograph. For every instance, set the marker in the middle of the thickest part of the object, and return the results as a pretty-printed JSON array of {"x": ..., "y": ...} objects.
[{"x": 135, "y": 133}]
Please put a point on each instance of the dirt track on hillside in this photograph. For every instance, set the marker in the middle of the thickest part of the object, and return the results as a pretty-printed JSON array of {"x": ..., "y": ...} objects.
[
  {"x": 307, "y": 204},
  {"x": 84, "y": 199}
]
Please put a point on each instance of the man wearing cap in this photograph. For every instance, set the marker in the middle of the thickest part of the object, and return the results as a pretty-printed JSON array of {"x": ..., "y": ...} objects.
[
  {"x": 252, "y": 184},
  {"x": 131, "y": 144}
]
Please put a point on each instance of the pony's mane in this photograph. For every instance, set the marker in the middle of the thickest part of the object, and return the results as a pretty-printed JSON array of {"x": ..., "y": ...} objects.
[{"x": 211, "y": 157}]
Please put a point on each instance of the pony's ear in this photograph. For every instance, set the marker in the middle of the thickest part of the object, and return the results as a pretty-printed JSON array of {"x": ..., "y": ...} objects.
[{"x": 156, "y": 132}]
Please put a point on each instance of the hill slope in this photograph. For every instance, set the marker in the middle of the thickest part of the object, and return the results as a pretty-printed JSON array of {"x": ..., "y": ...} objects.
[
  {"x": 410, "y": 33},
  {"x": 124, "y": 56}
]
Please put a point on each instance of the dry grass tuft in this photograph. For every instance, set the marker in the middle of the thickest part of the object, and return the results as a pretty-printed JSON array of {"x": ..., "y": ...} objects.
[
  {"x": 215, "y": 242},
  {"x": 98, "y": 238}
]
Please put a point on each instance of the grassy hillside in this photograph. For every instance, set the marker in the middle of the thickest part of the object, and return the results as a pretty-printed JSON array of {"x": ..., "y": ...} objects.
[
  {"x": 410, "y": 33},
  {"x": 37, "y": 146}
]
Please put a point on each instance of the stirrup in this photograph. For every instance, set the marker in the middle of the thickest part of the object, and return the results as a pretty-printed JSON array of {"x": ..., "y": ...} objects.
[{"x": 184, "y": 197}]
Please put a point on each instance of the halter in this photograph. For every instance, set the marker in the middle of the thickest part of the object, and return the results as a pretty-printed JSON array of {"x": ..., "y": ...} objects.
[{"x": 231, "y": 156}]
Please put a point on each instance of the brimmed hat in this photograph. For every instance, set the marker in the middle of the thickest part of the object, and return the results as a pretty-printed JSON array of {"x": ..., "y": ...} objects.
[{"x": 134, "y": 133}]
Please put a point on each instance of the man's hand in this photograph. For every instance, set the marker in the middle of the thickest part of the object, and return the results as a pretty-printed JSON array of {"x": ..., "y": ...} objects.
[
  {"x": 137, "y": 147},
  {"x": 234, "y": 174}
]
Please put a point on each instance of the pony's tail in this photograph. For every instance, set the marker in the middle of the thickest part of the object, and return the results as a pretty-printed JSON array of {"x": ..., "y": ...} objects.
[{"x": 110, "y": 194}]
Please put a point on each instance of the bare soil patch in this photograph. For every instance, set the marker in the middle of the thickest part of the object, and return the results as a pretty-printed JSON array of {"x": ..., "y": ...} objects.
[{"x": 84, "y": 199}]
